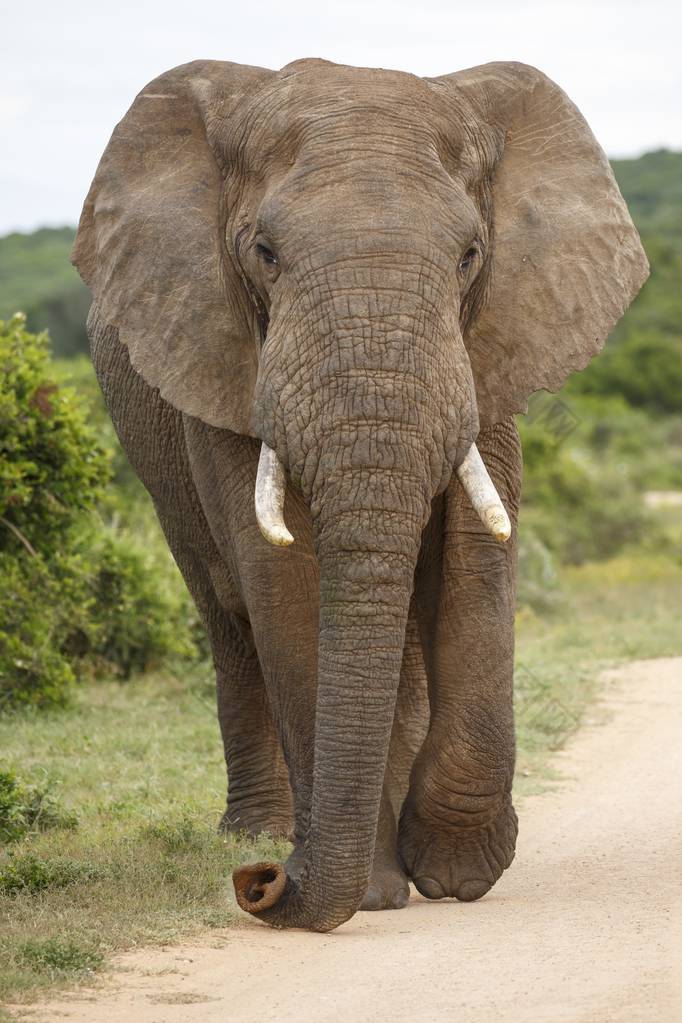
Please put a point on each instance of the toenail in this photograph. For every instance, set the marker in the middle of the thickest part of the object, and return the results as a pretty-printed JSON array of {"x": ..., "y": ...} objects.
[
  {"x": 400, "y": 899},
  {"x": 429, "y": 888},
  {"x": 469, "y": 891},
  {"x": 372, "y": 899}
]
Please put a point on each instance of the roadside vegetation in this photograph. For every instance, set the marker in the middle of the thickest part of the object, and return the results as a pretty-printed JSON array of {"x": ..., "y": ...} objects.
[
  {"x": 111, "y": 772},
  {"x": 134, "y": 777},
  {"x": 82, "y": 591}
]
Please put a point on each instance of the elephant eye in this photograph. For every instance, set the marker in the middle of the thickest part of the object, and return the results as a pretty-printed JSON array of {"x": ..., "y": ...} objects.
[
  {"x": 467, "y": 259},
  {"x": 267, "y": 255}
]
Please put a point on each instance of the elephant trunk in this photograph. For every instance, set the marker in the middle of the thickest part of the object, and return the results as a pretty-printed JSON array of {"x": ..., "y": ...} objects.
[
  {"x": 387, "y": 419},
  {"x": 367, "y": 526}
]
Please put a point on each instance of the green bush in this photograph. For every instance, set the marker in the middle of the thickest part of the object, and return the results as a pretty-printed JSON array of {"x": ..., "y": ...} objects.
[
  {"x": 78, "y": 373},
  {"x": 136, "y": 619},
  {"x": 645, "y": 368},
  {"x": 28, "y": 808},
  {"x": 52, "y": 474},
  {"x": 184, "y": 834},
  {"x": 52, "y": 467},
  {"x": 583, "y": 490},
  {"x": 78, "y": 593},
  {"x": 31, "y": 874}
]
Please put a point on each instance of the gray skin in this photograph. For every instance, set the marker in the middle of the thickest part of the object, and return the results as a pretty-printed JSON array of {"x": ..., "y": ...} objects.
[{"x": 366, "y": 271}]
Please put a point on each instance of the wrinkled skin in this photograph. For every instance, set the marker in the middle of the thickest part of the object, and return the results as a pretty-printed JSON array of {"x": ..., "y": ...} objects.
[{"x": 368, "y": 272}]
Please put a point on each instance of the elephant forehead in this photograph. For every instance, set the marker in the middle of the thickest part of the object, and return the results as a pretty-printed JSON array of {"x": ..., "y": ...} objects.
[{"x": 323, "y": 106}]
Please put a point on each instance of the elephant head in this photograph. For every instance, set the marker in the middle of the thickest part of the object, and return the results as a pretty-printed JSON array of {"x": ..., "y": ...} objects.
[{"x": 359, "y": 268}]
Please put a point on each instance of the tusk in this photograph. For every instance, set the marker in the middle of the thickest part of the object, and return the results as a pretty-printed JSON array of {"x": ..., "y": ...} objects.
[
  {"x": 480, "y": 489},
  {"x": 271, "y": 486}
]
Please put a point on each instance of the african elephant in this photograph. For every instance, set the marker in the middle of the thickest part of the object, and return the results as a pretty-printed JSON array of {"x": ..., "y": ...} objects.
[{"x": 320, "y": 286}]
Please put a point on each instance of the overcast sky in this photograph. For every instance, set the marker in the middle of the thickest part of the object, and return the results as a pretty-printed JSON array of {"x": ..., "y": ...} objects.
[{"x": 70, "y": 68}]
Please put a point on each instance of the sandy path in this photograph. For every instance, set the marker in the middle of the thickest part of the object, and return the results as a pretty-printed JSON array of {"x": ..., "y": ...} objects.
[{"x": 586, "y": 926}]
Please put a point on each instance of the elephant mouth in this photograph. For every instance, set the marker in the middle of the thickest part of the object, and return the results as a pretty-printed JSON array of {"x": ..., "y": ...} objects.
[{"x": 472, "y": 474}]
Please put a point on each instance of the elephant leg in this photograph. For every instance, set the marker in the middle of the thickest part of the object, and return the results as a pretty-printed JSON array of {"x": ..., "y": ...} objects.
[
  {"x": 411, "y": 719},
  {"x": 389, "y": 888},
  {"x": 458, "y": 827},
  {"x": 152, "y": 435},
  {"x": 259, "y": 794},
  {"x": 279, "y": 589}
]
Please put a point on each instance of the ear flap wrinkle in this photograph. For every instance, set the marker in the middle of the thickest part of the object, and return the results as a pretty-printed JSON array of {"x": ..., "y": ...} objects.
[
  {"x": 150, "y": 245},
  {"x": 567, "y": 259}
]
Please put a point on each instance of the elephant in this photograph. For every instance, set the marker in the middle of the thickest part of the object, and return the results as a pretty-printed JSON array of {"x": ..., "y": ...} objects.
[{"x": 320, "y": 297}]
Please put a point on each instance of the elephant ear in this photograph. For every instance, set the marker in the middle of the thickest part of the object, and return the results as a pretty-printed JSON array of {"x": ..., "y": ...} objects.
[
  {"x": 566, "y": 257},
  {"x": 151, "y": 245}
]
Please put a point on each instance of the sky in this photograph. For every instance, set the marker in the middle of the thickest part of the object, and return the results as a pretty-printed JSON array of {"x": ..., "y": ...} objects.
[{"x": 69, "y": 69}]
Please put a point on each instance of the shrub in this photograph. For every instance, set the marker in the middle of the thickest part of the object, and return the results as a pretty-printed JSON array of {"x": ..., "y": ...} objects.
[
  {"x": 76, "y": 592},
  {"x": 646, "y": 368},
  {"x": 52, "y": 468},
  {"x": 137, "y": 618},
  {"x": 32, "y": 874},
  {"x": 25, "y": 808},
  {"x": 52, "y": 473},
  {"x": 583, "y": 491},
  {"x": 180, "y": 835}
]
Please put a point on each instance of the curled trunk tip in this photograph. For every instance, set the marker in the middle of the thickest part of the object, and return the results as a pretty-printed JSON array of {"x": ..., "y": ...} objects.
[
  {"x": 259, "y": 886},
  {"x": 271, "y": 487}
]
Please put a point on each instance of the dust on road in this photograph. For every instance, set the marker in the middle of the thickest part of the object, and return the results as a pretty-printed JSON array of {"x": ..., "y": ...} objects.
[{"x": 585, "y": 926}]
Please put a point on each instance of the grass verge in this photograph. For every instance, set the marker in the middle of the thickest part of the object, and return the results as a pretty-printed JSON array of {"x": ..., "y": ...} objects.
[
  {"x": 607, "y": 613},
  {"x": 134, "y": 779}
]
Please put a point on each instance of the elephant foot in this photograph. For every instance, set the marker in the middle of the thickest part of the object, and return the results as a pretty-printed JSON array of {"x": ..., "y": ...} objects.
[
  {"x": 388, "y": 886},
  {"x": 460, "y": 862}
]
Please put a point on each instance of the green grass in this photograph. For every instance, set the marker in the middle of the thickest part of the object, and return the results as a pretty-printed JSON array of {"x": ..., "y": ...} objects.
[
  {"x": 139, "y": 765},
  {"x": 607, "y": 613}
]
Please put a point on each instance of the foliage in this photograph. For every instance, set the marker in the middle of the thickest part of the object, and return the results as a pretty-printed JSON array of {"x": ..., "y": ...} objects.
[
  {"x": 652, "y": 188},
  {"x": 643, "y": 357},
  {"x": 580, "y": 501},
  {"x": 135, "y": 622},
  {"x": 28, "y": 808},
  {"x": 37, "y": 277},
  {"x": 646, "y": 368},
  {"x": 31, "y": 874},
  {"x": 52, "y": 466},
  {"x": 584, "y": 491},
  {"x": 77, "y": 592},
  {"x": 52, "y": 473},
  {"x": 78, "y": 373},
  {"x": 538, "y": 577}
]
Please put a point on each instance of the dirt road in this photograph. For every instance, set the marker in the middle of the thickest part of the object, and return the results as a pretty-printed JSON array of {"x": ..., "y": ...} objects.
[{"x": 586, "y": 926}]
